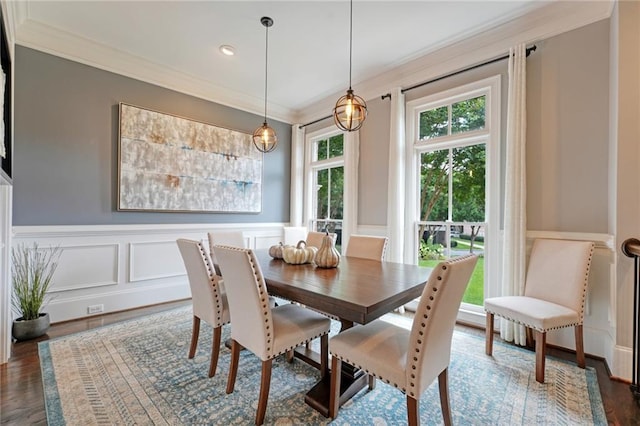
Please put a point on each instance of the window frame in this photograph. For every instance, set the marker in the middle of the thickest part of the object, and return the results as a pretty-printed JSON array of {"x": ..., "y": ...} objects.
[
  {"x": 348, "y": 161},
  {"x": 491, "y": 134}
]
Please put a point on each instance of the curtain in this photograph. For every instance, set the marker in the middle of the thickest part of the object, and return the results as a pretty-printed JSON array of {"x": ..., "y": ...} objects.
[
  {"x": 351, "y": 160},
  {"x": 396, "y": 192},
  {"x": 515, "y": 218},
  {"x": 297, "y": 176}
]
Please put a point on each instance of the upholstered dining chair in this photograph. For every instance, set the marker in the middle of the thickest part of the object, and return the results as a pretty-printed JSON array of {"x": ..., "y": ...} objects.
[
  {"x": 262, "y": 330},
  {"x": 367, "y": 247},
  {"x": 293, "y": 234},
  {"x": 314, "y": 238},
  {"x": 208, "y": 296},
  {"x": 226, "y": 238},
  {"x": 409, "y": 360},
  {"x": 554, "y": 296}
]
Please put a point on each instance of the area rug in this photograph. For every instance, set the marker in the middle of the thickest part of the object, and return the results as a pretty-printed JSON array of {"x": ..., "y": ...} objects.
[{"x": 137, "y": 372}]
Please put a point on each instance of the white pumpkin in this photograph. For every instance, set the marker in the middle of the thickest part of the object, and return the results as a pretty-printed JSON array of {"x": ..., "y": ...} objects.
[
  {"x": 299, "y": 254},
  {"x": 327, "y": 256}
]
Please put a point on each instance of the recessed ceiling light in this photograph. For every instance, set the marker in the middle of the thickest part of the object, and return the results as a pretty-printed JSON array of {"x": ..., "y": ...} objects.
[{"x": 227, "y": 50}]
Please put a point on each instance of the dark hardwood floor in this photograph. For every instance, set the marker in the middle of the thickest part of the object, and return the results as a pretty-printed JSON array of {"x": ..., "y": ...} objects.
[{"x": 22, "y": 400}]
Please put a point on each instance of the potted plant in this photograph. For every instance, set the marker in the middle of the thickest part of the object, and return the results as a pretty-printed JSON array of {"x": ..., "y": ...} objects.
[{"x": 32, "y": 273}]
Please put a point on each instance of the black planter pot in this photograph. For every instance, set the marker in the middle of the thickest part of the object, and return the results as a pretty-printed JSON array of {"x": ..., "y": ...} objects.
[{"x": 30, "y": 329}]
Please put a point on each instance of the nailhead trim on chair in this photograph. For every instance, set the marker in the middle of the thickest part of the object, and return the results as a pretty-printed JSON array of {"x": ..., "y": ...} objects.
[
  {"x": 264, "y": 300},
  {"x": 423, "y": 324},
  {"x": 215, "y": 281},
  {"x": 581, "y": 315}
]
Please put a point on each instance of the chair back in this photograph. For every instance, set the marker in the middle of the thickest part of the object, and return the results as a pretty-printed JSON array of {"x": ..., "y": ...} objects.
[
  {"x": 206, "y": 287},
  {"x": 558, "y": 272},
  {"x": 432, "y": 330},
  {"x": 367, "y": 247},
  {"x": 314, "y": 239},
  {"x": 225, "y": 238},
  {"x": 293, "y": 235},
  {"x": 251, "y": 320}
]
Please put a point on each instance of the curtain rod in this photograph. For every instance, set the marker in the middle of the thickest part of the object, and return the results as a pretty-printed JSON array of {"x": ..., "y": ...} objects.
[
  {"x": 415, "y": 86},
  {"x": 491, "y": 61}
]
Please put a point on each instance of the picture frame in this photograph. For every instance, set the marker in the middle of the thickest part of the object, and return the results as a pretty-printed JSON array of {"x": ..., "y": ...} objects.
[{"x": 168, "y": 163}]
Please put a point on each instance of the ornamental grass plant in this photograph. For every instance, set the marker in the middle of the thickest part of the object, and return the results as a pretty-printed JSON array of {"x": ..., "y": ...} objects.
[{"x": 33, "y": 270}]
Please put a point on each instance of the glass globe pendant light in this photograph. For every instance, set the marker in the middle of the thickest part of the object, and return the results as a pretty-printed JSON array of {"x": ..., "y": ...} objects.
[
  {"x": 264, "y": 137},
  {"x": 350, "y": 110}
]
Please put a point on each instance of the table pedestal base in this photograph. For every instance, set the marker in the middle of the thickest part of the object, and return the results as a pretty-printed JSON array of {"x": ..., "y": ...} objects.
[{"x": 318, "y": 396}]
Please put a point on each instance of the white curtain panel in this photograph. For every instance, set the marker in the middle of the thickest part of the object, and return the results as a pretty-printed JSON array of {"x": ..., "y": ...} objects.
[
  {"x": 515, "y": 211},
  {"x": 350, "y": 211},
  {"x": 3, "y": 152},
  {"x": 297, "y": 175},
  {"x": 396, "y": 192}
]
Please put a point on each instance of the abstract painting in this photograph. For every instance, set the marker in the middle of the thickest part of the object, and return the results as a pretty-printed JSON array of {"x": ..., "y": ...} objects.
[{"x": 173, "y": 164}]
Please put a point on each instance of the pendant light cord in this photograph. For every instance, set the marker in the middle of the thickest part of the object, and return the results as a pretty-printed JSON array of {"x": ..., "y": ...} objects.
[
  {"x": 266, "y": 59},
  {"x": 350, "y": 39}
]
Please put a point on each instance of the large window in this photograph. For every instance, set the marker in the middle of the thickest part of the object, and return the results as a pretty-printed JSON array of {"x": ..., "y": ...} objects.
[
  {"x": 455, "y": 140},
  {"x": 327, "y": 174}
]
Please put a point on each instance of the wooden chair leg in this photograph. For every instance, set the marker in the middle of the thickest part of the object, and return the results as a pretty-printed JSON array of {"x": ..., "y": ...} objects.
[
  {"x": 579, "y": 346},
  {"x": 215, "y": 350},
  {"x": 265, "y": 383},
  {"x": 529, "y": 337},
  {"x": 488, "y": 346},
  {"x": 413, "y": 419},
  {"x": 233, "y": 368},
  {"x": 289, "y": 356},
  {"x": 443, "y": 386},
  {"x": 541, "y": 340},
  {"x": 324, "y": 355},
  {"x": 372, "y": 382},
  {"x": 194, "y": 336},
  {"x": 334, "y": 397}
]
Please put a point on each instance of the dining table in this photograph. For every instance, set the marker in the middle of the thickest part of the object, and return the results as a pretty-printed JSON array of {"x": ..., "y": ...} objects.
[{"x": 357, "y": 291}]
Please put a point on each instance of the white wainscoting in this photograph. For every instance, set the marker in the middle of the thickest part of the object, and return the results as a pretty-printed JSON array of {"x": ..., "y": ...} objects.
[{"x": 125, "y": 266}]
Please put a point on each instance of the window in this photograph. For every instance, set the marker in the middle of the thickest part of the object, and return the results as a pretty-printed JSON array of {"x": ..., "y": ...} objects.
[
  {"x": 328, "y": 178},
  {"x": 452, "y": 188},
  {"x": 326, "y": 172}
]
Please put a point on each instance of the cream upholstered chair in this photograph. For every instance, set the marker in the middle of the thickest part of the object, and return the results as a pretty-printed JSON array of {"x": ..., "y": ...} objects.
[
  {"x": 293, "y": 234},
  {"x": 227, "y": 238},
  {"x": 367, "y": 247},
  {"x": 314, "y": 239},
  {"x": 208, "y": 296},
  {"x": 410, "y": 360},
  {"x": 264, "y": 331},
  {"x": 554, "y": 295}
]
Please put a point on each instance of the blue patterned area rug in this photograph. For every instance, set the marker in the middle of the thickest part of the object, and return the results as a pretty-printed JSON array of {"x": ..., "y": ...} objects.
[{"x": 137, "y": 372}]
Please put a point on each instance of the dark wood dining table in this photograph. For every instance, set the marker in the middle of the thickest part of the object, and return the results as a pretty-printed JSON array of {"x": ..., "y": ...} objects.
[{"x": 357, "y": 291}]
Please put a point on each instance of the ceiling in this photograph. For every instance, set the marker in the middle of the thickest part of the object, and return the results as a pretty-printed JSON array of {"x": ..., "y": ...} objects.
[{"x": 308, "y": 57}]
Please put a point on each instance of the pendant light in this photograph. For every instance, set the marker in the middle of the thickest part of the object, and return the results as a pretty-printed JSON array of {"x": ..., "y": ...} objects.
[
  {"x": 264, "y": 137},
  {"x": 350, "y": 110}
]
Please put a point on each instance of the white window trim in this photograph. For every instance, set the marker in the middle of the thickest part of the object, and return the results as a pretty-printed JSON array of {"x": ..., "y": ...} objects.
[
  {"x": 491, "y": 88},
  {"x": 349, "y": 162}
]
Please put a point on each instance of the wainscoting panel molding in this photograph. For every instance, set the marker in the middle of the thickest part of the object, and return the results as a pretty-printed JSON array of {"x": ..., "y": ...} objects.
[
  {"x": 153, "y": 260},
  {"x": 86, "y": 266},
  {"x": 110, "y": 268}
]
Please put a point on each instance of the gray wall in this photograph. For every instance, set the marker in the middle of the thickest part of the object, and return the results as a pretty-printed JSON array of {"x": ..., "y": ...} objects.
[
  {"x": 66, "y": 130},
  {"x": 567, "y": 134}
]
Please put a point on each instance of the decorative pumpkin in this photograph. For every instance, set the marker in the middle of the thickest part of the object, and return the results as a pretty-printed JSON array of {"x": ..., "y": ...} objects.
[
  {"x": 276, "y": 251},
  {"x": 327, "y": 256},
  {"x": 299, "y": 254}
]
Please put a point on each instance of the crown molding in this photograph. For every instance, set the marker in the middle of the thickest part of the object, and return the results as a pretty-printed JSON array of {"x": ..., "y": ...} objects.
[
  {"x": 45, "y": 38},
  {"x": 536, "y": 25},
  {"x": 533, "y": 27}
]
